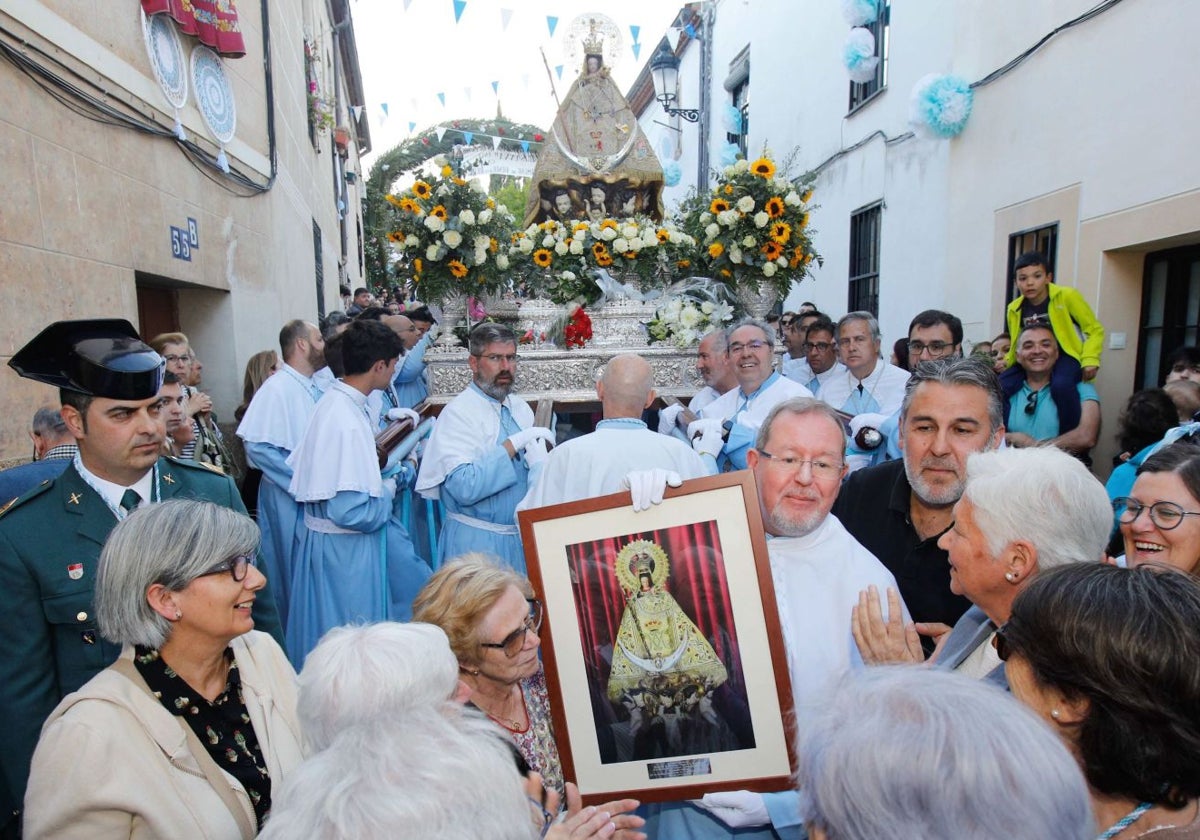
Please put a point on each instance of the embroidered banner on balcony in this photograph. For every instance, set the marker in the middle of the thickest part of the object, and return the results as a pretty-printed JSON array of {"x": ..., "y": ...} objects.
[{"x": 214, "y": 22}]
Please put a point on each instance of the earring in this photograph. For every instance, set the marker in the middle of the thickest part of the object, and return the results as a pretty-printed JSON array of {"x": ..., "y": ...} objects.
[
  {"x": 1054, "y": 713},
  {"x": 178, "y": 615},
  {"x": 1010, "y": 577}
]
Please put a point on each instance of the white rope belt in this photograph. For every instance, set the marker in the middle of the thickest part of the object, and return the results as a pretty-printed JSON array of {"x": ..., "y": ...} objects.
[
  {"x": 324, "y": 526},
  {"x": 484, "y": 525}
]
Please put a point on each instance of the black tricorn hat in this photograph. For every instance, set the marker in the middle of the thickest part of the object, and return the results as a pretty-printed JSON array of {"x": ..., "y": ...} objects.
[{"x": 101, "y": 358}]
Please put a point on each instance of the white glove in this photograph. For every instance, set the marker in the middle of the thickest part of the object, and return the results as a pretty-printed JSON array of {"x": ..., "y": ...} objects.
[
  {"x": 860, "y": 420},
  {"x": 647, "y": 486},
  {"x": 535, "y": 452},
  {"x": 402, "y": 413},
  {"x": 667, "y": 418},
  {"x": 523, "y": 438},
  {"x": 707, "y": 436},
  {"x": 736, "y": 808}
]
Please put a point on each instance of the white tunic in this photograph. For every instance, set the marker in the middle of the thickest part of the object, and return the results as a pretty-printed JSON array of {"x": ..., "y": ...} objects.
[
  {"x": 703, "y": 397},
  {"x": 882, "y": 390},
  {"x": 279, "y": 413},
  {"x": 596, "y": 464},
  {"x": 800, "y": 371},
  {"x": 753, "y": 410}
]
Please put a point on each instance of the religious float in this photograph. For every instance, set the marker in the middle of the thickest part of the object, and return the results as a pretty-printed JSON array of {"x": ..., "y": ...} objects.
[{"x": 595, "y": 267}]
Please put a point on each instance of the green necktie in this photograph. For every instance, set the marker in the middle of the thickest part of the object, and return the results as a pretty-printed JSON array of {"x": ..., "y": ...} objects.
[{"x": 130, "y": 500}]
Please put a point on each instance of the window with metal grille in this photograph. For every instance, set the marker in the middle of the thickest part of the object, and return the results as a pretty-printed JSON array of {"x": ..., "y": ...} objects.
[
  {"x": 319, "y": 267},
  {"x": 1170, "y": 311},
  {"x": 862, "y": 92},
  {"x": 1043, "y": 239},
  {"x": 864, "y": 259}
]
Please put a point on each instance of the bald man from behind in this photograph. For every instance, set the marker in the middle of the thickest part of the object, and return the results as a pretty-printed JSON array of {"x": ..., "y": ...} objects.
[{"x": 622, "y": 453}]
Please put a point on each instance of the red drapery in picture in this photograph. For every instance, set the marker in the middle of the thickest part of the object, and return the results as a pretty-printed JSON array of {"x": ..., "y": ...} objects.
[
  {"x": 214, "y": 22},
  {"x": 697, "y": 582}
]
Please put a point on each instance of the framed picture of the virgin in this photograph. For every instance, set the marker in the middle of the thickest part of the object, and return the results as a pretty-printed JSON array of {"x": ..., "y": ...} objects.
[{"x": 662, "y": 648}]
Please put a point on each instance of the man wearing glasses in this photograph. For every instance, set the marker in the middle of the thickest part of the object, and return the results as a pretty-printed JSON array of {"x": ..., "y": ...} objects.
[
  {"x": 726, "y": 428},
  {"x": 1036, "y": 417},
  {"x": 819, "y": 363},
  {"x": 818, "y": 568},
  {"x": 481, "y": 452},
  {"x": 50, "y": 538}
]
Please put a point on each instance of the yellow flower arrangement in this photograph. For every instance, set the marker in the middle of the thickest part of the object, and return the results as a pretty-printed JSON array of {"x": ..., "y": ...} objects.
[
  {"x": 457, "y": 269},
  {"x": 781, "y": 232},
  {"x": 763, "y": 168},
  {"x": 542, "y": 258},
  {"x": 421, "y": 189},
  {"x": 775, "y": 207}
]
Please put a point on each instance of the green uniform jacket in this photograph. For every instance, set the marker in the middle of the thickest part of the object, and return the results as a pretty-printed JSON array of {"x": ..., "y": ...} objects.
[{"x": 50, "y": 541}]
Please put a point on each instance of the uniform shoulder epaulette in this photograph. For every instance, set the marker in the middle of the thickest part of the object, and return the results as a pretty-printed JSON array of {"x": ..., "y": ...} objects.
[
  {"x": 195, "y": 465},
  {"x": 31, "y": 493}
]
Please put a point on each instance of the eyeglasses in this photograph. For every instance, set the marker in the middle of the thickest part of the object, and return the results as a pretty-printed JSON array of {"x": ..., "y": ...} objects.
[
  {"x": 497, "y": 358},
  {"x": 820, "y": 467},
  {"x": 819, "y": 346},
  {"x": 935, "y": 348},
  {"x": 172, "y": 358},
  {"x": 514, "y": 641},
  {"x": 236, "y": 566},
  {"x": 757, "y": 344},
  {"x": 1166, "y": 515},
  {"x": 1031, "y": 403}
]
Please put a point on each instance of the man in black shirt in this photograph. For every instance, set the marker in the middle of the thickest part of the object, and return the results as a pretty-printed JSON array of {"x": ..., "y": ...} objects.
[{"x": 897, "y": 510}]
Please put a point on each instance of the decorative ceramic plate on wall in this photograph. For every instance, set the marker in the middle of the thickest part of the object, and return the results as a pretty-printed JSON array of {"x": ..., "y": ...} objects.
[
  {"x": 214, "y": 95},
  {"x": 165, "y": 50}
]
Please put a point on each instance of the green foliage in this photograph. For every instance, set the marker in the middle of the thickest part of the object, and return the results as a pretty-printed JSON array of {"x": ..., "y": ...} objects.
[{"x": 511, "y": 194}]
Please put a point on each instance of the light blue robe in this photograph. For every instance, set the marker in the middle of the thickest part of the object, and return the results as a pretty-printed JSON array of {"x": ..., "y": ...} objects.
[
  {"x": 278, "y": 517},
  {"x": 683, "y": 821},
  {"x": 409, "y": 381}
]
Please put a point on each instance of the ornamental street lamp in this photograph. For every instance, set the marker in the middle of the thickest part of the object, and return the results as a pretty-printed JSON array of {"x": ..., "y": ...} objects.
[{"x": 664, "y": 69}]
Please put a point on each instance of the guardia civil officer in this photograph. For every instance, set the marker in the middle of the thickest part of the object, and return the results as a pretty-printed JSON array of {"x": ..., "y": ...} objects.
[{"x": 50, "y": 538}]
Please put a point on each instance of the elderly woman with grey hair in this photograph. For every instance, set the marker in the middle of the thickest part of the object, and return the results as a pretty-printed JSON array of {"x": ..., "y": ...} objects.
[
  {"x": 899, "y": 753},
  {"x": 188, "y": 732},
  {"x": 393, "y": 752},
  {"x": 1022, "y": 511}
]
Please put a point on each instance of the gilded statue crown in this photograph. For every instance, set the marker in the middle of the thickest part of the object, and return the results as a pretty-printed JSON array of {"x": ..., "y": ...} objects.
[
  {"x": 643, "y": 564},
  {"x": 593, "y": 44}
]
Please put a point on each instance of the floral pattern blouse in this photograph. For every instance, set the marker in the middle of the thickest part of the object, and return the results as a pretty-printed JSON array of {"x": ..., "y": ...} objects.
[
  {"x": 222, "y": 725},
  {"x": 536, "y": 743}
]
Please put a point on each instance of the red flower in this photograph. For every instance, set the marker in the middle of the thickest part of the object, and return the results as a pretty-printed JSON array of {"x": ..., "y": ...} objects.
[
  {"x": 538, "y": 138},
  {"x": 578, "y": 330}
]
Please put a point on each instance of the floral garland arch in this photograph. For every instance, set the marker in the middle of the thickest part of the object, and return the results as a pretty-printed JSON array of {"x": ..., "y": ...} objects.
[{"x": 408, "y": 155}]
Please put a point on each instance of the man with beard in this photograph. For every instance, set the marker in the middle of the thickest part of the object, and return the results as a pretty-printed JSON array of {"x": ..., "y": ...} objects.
[
  {"x": 818, "y": 569},
  {"x": 726, "y": 428},
  {"x": 481, "y": 452},
  {"x": 952, "y": 408},
  {"x": 271, "y": 429}
]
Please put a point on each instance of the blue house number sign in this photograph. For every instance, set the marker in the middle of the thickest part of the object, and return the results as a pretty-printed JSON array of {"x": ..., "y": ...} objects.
[{"x": 184, "y": 239}]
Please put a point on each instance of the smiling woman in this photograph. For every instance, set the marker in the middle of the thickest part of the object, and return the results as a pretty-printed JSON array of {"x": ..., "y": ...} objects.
[
  {"x": 1160, "y": 518},
  {"x": 189, "y": 730}
]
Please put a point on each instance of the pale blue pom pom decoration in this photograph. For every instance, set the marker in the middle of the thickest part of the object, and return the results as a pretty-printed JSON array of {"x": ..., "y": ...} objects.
[
  {"x": 729, "y": 154},
  {"x": 941, "y": 105},
  {"x": 859, "y": 55},
  {"x": 860, "y": 12},
  {"x": 733, "y": 119},
  {"x": 672, "y": 173}
]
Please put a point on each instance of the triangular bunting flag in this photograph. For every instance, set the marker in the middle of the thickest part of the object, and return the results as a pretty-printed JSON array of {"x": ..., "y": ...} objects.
[
  {"x": 637, "y": 50},
  {"x": 356, "y": 110},
  {"x": 470, "y": 136},
  {"x": 691, "y": 31},
  {"x": 467, "y": 93},
  {"x": 525, "y": 146},
  {"x": 441, "y": 132},
  {"x": 384, "y": 107},
  {"x": 442, "y": 98},
  {"x": 411, "y": 126},
  {"x": 459, "y": 5},
  {"x": 673, "y": 37},
  {"x": 634, "y": 30},
  {"x": 407, "y": 3},
  {"x": 496, "y": 88},
  {"x": 496, "y": 142},
  {"x": 551, "y": 21},
  {"x": 558, "y": 68},
  {"x": 505, "y": 18}
]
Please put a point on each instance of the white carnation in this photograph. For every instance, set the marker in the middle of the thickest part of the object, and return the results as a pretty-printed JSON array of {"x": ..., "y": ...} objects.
[
  {"x": 431, "y": 253},
  {"x": 769, "y": 269},
  {"x": 608, "y": 234},
  {"x": 411, "y": 241},
  {"x": 620, "y": 244},
  {"x": 745, "y": 203},
  {"x": 452, "y": 238},
  {"x": 485, "y": 215},
  {"x": 525, "y": 245},
  {"x": 791, "y": 199},
  {"x": 735, "y": 255},
  {"x": 576, "y": 247},
  {"x": 761, "y": 219},
  {"x": 502, "y": 261},
  {"x": 443, "y": 190},
  {"x": 467, "y": 217},
  {"x": 629, "y": 231},
  {"x": 561, "y": 248},
  {"x": 748, "y": 242},
  {"x": 781, "y": 262},
  {"x": 548, "y": 241},
  {"x": 435, "y": 224},
  {"x": 712, "y": 230}
]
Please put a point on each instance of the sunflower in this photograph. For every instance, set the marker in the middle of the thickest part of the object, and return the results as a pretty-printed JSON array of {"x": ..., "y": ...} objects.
[
  {"x": 608, "y": 223},
  {"x": 719, "y": 205},
  {"x": 493, "y": 245},
  {"x": 716, "y": 249},
  {"x": 763, "y": 168},
  {"x": 459, "y": 182},
  {"x": 803, "y": 220},
  {"x": 396, "y": 236},
  {"x": 439, "y": 212},
  {"x": 683, "y": 264},
  {"x": 447, "y": 171},
  {"x": 604, "y": 260},
  {"x": 491, "y": 203},
  {"x": 457, "y": 268},
  {"x": 421, "y": 189},
  {"x": 630, "y": 255},
  {"x": 579, "y": 226},
  {"x": 392, "y": 200},
  {"x": 775, "y": 207},
  {"x": 729, "y": 189},
  {"x": 599, "y": 249},
  {"x": 410, "y": 206},
  {"x": 542, "y": 258},
  {"x": 807, "y": 196},
  {"x": 772, "y": 249},
  {"x": 781, "y": 232},
  {"x": 662, "y": 234}
]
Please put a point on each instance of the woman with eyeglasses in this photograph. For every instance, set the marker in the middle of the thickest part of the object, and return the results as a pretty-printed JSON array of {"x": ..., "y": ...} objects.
[
  {"x": 492, "y": 620},
  {"x": 1160, "y": 518},
  {"x": 1107, "y": 657},
  {"x": 188, "y": 733}
]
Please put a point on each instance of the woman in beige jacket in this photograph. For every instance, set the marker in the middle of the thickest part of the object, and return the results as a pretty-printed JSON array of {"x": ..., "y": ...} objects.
[{"x": 191, "y": 730}]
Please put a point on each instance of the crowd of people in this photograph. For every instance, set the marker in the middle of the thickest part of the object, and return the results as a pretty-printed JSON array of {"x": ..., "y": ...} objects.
[{"x": 981, "y": 638}]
